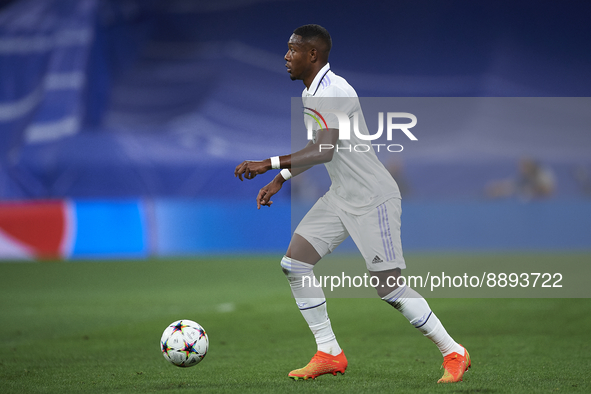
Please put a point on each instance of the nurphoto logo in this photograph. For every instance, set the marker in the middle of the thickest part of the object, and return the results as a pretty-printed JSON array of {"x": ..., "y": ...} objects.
[{"x": 345, "y": 129}]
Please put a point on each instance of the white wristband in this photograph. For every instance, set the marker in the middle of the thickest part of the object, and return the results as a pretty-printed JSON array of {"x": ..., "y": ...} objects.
[
  {"x": 285, "y": 173},
  {"x": 275, "y": 163}
]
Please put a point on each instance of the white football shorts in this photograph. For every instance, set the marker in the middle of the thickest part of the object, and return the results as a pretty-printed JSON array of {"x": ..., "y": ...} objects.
[{"x": 376, "y": 233}]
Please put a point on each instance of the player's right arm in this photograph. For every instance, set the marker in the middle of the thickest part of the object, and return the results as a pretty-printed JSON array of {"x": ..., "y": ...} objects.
[{"x": 312, "y": 154}]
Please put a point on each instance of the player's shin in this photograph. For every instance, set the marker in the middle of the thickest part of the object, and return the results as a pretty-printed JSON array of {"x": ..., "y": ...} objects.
[
  {"x": 416, "y": 309},
  {"x": 310, "y": 299}
]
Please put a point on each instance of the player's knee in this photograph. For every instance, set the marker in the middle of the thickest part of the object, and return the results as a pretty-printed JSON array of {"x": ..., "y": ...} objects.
[
  {"x": 386, "y": 281},
  {"x": 286, "y": 265},
  {"x": 396, "y": 297},
  {"x": 383, "y": 291},
  {"x": 289, "y": 267},
  {"x": 295, "y": 269}
]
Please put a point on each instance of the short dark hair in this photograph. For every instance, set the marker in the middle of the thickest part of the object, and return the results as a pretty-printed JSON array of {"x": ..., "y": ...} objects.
[{"x": 309, "y": 32}]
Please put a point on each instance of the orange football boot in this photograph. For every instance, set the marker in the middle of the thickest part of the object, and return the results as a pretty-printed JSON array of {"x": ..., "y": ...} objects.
[
  {"x": 322, "y": 363},
  {"x": 455, "y": 365}
]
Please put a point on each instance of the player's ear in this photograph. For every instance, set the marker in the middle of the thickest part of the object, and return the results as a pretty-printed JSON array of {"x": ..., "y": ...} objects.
[{"x": 313, "y": 55}]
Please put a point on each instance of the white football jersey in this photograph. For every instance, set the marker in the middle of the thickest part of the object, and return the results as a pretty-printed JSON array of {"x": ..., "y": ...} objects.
[{"x": 360, "y": 182}]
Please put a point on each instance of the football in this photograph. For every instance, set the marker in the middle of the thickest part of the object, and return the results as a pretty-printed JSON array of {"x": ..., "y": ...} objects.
[{"x": 184, "y": 343}]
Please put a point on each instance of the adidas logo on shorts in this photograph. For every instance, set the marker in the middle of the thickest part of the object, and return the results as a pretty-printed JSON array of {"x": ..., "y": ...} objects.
[{"x": 377, "y": 260}]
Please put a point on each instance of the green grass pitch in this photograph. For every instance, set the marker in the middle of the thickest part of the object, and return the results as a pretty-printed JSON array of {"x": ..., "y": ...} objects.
[{"x": 95, "y": 327}]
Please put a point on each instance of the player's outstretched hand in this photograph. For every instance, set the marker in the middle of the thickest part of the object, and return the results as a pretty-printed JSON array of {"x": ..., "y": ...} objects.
[
  {"x": 249, "y": 169},
  {"x": 268, "y": 191}
]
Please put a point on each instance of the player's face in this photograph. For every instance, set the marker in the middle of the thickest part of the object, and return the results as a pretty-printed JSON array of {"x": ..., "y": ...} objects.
[{"x": 297, "y": 58}]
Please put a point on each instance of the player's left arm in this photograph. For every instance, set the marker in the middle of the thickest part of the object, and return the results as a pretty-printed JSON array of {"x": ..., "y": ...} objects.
[{"x": 313, "y": 153}]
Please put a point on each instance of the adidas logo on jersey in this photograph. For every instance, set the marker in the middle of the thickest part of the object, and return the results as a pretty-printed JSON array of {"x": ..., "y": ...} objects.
[{"x": 377, "y": 260}]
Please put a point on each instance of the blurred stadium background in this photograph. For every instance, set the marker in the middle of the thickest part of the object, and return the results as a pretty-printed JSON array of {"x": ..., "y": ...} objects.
[{"x": 121, "y": 122}]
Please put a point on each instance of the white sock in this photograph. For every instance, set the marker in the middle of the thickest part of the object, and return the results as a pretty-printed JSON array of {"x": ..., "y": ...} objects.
[
  {"x": 312, "y": 303},
  {"x": 319, "y": 323},
  {"x": 416, "y": 309}
]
